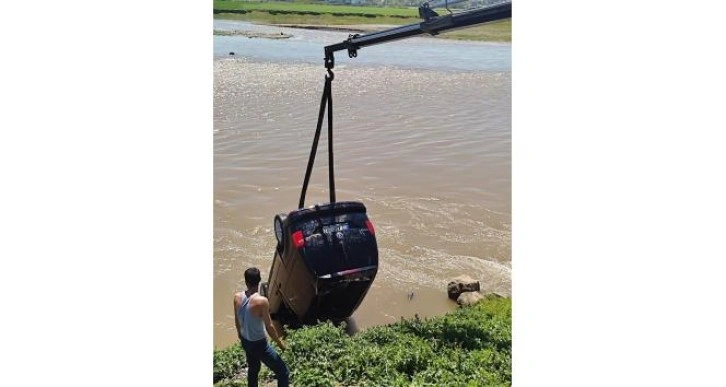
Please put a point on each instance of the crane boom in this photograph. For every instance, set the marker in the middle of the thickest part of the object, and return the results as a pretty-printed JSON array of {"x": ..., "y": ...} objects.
[{"x": 433, "y": 26}]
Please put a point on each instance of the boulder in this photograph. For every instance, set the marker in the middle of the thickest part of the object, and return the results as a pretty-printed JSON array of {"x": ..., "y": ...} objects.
[
  {"x": 469, "y": 298},
  {"x": 460, "y": 285}
]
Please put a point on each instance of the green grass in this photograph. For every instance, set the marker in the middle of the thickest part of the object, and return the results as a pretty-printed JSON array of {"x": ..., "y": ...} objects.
[
  {"x": 471, "y": 346},
  {"x": 301, "y": 12},
  {"x": 287, "y": 7},
  {"x": 499, "y": 31},
  {"x": 322, "y": 19}
]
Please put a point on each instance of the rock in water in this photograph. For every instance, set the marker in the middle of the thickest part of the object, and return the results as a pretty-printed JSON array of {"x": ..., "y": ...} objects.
[
  {"x": 469, "y": 298},
  {"x": 460, "y": 285}
]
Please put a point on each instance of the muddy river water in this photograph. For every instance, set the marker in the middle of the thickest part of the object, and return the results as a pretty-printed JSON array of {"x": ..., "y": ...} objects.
[{"x": 422, "y": 138}]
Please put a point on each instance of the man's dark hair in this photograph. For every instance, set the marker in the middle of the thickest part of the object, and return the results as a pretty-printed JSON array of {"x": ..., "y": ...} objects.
[{"x": 252, "y": 276}]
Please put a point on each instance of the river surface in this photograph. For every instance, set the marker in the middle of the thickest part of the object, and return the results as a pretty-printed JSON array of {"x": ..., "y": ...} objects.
[{"x": 422, "y": 138}]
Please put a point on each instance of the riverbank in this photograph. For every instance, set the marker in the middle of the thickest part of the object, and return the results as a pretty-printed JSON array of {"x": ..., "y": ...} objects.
[
  {"x": 363, "y": 28},
  {"x": 252, "y": 35},
  {"x": 471, "y": 346},
  {"x": 358, "y": 18}
]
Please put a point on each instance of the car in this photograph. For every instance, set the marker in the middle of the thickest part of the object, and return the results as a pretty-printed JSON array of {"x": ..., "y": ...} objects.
[{"x": 325, "y": 261}]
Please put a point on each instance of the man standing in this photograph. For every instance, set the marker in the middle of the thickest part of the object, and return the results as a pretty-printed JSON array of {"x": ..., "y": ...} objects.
[{"x": 252, "y": 317}]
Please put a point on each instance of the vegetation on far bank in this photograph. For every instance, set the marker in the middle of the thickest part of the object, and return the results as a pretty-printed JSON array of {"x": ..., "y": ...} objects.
[
  {"x": 471, "y": 346},
  {"x": 302, "y": 13},
  {"x": 283, "y": 7}
]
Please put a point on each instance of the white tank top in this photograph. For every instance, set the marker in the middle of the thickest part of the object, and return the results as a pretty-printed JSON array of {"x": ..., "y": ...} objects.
[{"x": 253, "y": 328}]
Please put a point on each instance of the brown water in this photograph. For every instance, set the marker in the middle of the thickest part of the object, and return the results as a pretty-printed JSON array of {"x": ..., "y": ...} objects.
[{"x": 428, "y": 152}]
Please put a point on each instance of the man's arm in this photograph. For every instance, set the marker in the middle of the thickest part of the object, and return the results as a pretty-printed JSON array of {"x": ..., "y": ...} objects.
[
  {"x": 268, "y": 324},
  {"x": 237, "y": 300}
]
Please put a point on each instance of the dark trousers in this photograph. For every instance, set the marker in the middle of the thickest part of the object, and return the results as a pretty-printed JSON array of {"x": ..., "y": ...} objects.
[{"x": 260, "y": 351}]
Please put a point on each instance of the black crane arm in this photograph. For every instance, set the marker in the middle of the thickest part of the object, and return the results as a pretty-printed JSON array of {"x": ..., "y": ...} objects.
[{"x": 432, "y": 25}]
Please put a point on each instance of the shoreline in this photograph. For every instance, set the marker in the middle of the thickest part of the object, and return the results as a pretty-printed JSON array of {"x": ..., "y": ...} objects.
[
  {"x": 252, "y": 35},
  {"x": 497, "y": 32},
  {"x": 336, "y": 27},
  {"x": 350, "y": 28},
  {"x": 356, "y": 28}
]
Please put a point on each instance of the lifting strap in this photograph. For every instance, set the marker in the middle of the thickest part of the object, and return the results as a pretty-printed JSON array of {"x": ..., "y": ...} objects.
[{"x": 326, "y": 99}]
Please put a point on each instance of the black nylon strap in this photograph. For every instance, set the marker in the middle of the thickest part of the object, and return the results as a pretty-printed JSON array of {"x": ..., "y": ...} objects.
[
  {"x": 327, "y": 98},
  {"x": 331, "y": 175}
]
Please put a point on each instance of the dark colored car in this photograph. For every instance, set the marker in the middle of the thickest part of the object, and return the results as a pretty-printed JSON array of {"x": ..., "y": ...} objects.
[{"x": 325, "y": 262}]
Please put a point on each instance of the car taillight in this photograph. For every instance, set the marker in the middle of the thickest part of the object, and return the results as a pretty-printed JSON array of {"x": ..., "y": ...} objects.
[
  {"x": 370, "y": 228},
  {"x": 298, "y": 239}
]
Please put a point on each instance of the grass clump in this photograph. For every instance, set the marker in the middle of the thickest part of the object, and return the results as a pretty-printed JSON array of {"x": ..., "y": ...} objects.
[{"x": 471, "y": 346}]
